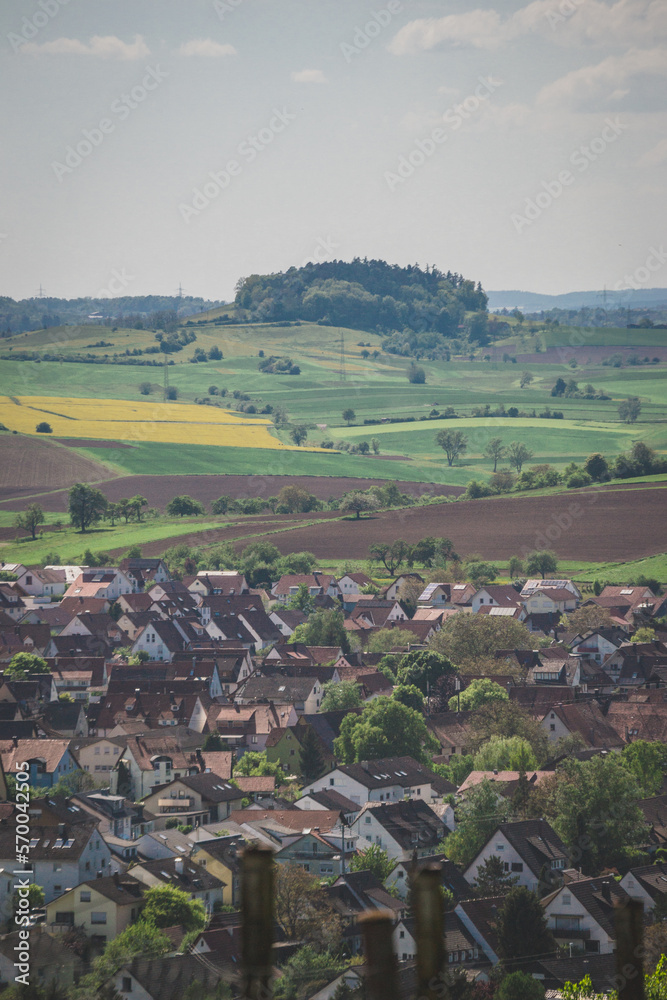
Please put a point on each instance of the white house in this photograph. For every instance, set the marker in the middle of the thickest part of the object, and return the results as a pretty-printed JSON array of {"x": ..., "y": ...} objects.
[
  {"x": 581, "y": 913},
  {"x": 389, "y": 780},
  {"x": 529, "y": 849}
]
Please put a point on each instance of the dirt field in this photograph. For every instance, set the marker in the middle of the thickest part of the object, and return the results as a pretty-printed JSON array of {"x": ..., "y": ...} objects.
[
  {"x": 596, "y": 526},
  {"x": 159, "y": 490},
  {"x": 32, "y": 465}
]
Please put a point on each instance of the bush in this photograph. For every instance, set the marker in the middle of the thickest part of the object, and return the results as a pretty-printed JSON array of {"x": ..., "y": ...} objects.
[
  {"x": 577, "y": 479},
  {"x": 44, "y": 428},
  {"x": 172, "y": 392},
  {"x": 145, "y": 388}
]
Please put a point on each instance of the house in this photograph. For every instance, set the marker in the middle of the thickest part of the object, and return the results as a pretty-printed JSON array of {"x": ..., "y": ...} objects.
[
  {"x": 181, "y": 873},
  {"x": 221, "y": 857},
  {"x": 165, "y": 978},
  {"x": 287, "y": 620},
  {"x": 531, "y": 586},
  {"x": 355, "y": 893},
  {"x": 351, "y": 584},
  {"x": 226, "y": 582},
  {"x": 108, "y": 583},
  {"x": 161, "y": 639},
  {"x": 119, "y": 713},
  {"x": 549, "y": 601},
  {"x": 584, "y": 718},
  {"x": 496, "y": 596},
  {"x": 65, "y": 718},
  {"x": 61, "y": 857},
  {"x": 632, "y": 664},
  {"x": 598, "y": 644},
  {"x": 655, "y": 815},
  {"x": 582, "y": 913},
  {"x": 479, "y": 917},
  {"x": 436, "y": 595},
  {"x": 249, "y": 725},
  {"x": 462, "y": 948},
  {"x": 390, "y": 779},
  {"x": 453, "y": 732},
  {"x": 402, "y": 829},
  {"x": 143, "y": 572},
  {"x": 48, "y": 760},
  {"x": 318, "y": 584},
  {"x": 632, "y": 720},
  {"x": 284, "y": 744},
  {"x": 648, "y": 883},
  {"x": 304, "y": 693},
  {"x": 11, "y": 602},
  {"x": 453, "y": 880},
  {"x": 315, "y": 854},
  {"x": 115, "y": 814},
  {"x": 152, "y": 759},
  {"x": 195, "y": 799},
  {"x": 101, "y": 907},
  {"x": 529, "y": 849},
  {"x": 395, "y": 591},
  {"x": 373, "y": 612}
]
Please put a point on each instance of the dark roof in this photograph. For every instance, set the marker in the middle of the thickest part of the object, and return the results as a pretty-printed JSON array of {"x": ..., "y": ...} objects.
[
  {"x": 329, "y": 798},
  {"x": 52, "y": 844},
  {"x": 169, "y": 976},
  {"x": 120, "y": 889},
  {"x": 404, "y": 771},
  {"x": 652, "y": 878},
  {"x": 534, "y": 840},
  {"x": 597, "y": 896},
  {"x": 211, "y": 787},
  {"x": 193, "y": 878},
  {"x": 411, "y": 822}
]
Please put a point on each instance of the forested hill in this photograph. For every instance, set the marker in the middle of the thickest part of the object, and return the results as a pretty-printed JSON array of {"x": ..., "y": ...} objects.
[{"x": 364, "y": 295}]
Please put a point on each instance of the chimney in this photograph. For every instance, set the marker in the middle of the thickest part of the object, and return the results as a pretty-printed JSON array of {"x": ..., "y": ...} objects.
[
  {"x": 178, "y": 865},
  {"x": 116, "y": 879}
]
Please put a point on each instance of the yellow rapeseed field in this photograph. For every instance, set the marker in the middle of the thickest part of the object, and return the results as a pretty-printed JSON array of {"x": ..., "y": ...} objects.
[{"x": 114, "y": 419}]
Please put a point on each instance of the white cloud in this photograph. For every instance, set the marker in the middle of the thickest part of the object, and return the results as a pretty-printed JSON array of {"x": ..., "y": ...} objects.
[
  {"x": 654, "y": 157},
  {"x": 608, "y": 79},
  {"x": 308, "y": 76},
  {"x": 206, "y": 48},
  {"x": 566, "y": 22},
  {"x": 101, "y": 46}
]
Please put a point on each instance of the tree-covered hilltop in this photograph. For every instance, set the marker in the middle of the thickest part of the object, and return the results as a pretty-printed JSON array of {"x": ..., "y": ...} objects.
[{"x": 405, "y": 303}]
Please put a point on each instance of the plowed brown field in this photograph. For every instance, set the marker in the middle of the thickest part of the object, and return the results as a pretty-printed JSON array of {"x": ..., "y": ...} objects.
[
  {"x": 33, "y": 465},
  {"x": 159, "y": 490},
  {"x": 599, "y": 525}
]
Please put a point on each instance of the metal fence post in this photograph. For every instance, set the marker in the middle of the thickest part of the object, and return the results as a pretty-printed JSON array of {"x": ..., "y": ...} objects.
[{"x": 376, "y": 928}]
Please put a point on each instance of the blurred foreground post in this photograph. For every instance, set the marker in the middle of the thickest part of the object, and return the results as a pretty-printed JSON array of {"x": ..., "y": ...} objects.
[
  {"x": 430, "y": 929},
  {"x": 257, "y": 922},
  {"x": 381, "y": 979},
  {"x": 630, "y": 949}
]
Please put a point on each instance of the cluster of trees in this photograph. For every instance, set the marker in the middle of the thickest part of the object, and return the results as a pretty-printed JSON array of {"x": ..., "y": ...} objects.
[
  {"x": 278, "y": 366},
  {"x": 571, "y": 390},
  {"x": 260, "y": 562},
  {"x": 364, "y": 295},
  {"x": 455, "y": 444}
]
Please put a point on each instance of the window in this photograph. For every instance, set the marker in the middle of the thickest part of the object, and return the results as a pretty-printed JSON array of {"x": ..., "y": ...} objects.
[
  {"x": 84, "y": 897},
  {"x": 558, "y": 863},
  {"x": 65, "y": 917},
  {"x": 331, "y": 781},
  {"x": 401, "y": 934},
  {"x": 500, "y": 847},
  {"x": 552, "y": 727},
  {"x": 517, "y": 866},
  {"x": 126, "y": 986},
  {"x": 566, "y": 899},
  {"x": 97, "y": 917},
  {"x": 368, "y": 819}
]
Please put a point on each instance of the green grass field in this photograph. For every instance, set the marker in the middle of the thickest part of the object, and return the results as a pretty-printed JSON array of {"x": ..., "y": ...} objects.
[{"x": 373, "y": 388}]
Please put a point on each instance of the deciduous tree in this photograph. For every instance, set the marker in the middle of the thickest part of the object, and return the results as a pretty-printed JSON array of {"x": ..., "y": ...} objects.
[
  {"x": 385, "y": 728},
  {"x": 184, "y": 506},
  {"x": 544, "y": 562},
  {"x": 453, "y": 443},
  {"x": 518, "y": 454},
  {"x": 340, "y": 695},
  {"x": 479, "y": 692},
  {"x": 372, "y": 859},
  {"x": 30, "y": 519},
  {"x": 86, "y": 506},
  {"x": 495, "y": 450}
]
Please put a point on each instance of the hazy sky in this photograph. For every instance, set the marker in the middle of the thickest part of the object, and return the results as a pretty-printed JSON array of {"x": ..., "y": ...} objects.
[{"x": 152, "y": 142}]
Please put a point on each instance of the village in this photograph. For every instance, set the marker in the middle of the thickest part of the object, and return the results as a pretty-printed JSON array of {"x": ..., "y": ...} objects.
[{"x": 514, "y": 733}]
